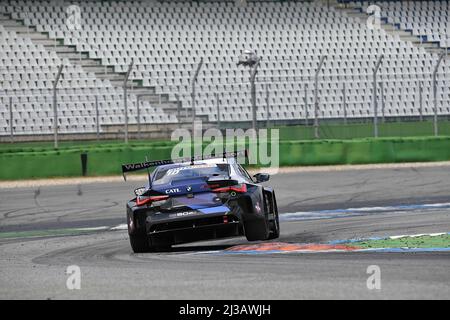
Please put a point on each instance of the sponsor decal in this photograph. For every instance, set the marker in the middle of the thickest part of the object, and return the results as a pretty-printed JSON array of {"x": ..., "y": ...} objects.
[
  {"x": 171, "y": 191},
  {"x": 182, "y": 214},
  {"x": 144, "y": 165},
  {"x": 189, "y": 188},
  {"x": 175, "y": 171}
]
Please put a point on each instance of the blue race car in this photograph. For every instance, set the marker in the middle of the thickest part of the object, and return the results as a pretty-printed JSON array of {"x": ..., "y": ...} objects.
[{"x": 199, "y": 199}]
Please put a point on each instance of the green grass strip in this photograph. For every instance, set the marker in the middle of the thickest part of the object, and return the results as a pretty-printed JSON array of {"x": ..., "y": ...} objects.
[{"x": 441, "y": 241}]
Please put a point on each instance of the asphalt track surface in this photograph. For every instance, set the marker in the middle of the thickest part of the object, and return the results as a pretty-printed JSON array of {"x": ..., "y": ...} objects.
[{"x": 35, "y": 267}]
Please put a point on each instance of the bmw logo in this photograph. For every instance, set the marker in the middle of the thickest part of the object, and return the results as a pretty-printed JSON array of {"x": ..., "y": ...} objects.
[{"x": 188, "y": 188}]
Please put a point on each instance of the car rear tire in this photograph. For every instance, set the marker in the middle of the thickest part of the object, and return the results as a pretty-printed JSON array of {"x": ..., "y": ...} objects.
[
  {"x": 275, "y": 229},
  {"x": 256, "y": 230},
  {"x": 275, "y": 224},
  {"x": 140, "y": 243}
]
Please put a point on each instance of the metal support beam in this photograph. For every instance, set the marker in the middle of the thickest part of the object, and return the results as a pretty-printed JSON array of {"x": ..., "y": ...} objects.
[
  {"x": 254, "y": 71},
  {"x": 138, "y": 113},
  {"x": 316, "y": 98},
  {"x": 375, "y": 100},
  {"x": 125, "y": 98},
  {"x": 344, "y": 101},
  {"x": 435, "y": 120},
  {"x": 177, "y": 96},
  {"x": 305, "y": 98},
  {"x": 11, "y": 119},
  {"x": 420, "y": 101},
  {"x": 97, "y": 120},
  {"x": 267, "y": 107},
  {"x": 55, "y": 107},
  {"x": 216, "y": 96},
  {"x": 193, "y": 81},
  {"x": 382, "y": 102}
]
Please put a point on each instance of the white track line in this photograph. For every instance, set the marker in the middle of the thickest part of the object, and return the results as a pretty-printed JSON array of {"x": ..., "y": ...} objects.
[{"x": 119, "y": 227}]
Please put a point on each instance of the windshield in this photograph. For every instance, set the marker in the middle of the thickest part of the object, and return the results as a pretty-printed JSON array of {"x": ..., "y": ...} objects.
[{"x": 166, "y": 176}]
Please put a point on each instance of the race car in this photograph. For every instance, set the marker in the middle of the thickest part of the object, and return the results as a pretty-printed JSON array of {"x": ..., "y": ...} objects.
[{"x": 199, "y": 199}]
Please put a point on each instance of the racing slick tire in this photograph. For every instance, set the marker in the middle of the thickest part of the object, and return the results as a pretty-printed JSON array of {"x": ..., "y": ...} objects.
[
  {"x": 140, "y": 243},
  {"x": 275, "y": 228},
  {"x": 256, "y": 229},
  {"x": 275, "y": 224}
]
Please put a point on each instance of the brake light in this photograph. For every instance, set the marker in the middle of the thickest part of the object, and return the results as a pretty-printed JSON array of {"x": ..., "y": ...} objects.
[
  {"x": 239, "y": 189},
  {"x": 147, "y": 200}
]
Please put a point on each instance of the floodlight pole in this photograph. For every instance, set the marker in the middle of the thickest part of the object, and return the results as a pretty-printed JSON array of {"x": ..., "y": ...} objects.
[
  {"x": 306, "y": 105},
  {"x": 267, "y": 106},
  {"x": 11, "y": 119},
  {"x": 375, "y": 102},
  {"x": 254, "y": 71},
  {"x": 97, "y": 122},
  {"x": 177, "y": 96},
  {"x": 436, "y": 129},
  {"x": 383, "y": 119},
  {"x": 420, "y": 102},
  {"x": 55, "y": 106},
  {"x": 125, "y": 100},
  {"x": 216, "y": 96},
  {"x": 193, "y": 81},
  {"x": 344, "y": 101},
  {"x": 316, "y": 100},
  {"x": 138, "y": 112}
]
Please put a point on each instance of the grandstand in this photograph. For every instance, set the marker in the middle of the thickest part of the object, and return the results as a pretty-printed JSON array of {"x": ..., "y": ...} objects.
[{"x": 167, "y": 39}]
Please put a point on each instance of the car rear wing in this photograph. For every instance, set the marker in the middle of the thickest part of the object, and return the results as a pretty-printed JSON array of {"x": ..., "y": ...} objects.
[{"x": 131, "y": 167}]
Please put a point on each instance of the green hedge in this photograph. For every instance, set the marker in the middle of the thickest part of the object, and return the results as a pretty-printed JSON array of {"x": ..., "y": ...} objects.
[
  {"x": 107, "y": 160},
  {"x": 387, "y": 150},
  {"x": 364, "y": 130}
]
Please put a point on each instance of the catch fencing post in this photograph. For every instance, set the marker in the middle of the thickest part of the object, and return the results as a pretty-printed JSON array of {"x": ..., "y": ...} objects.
[
  {"x": 375, "y": 100},
  {"x": 316, "y": 100},
  {"x": 216, "y": 95},
  {"x": 193, "y": 81},
  {"x": 138, "y": 112},
  {"x": 344, "y": 101},
  {"x": 382, "y": 101},
  {"x": 306, "y": 104},
  {"x": 420, "y": 102},
  {"x": 11, "y": 126},
  {"x": 177, "y": 96},
  {"x": 267, "y": 106},
  {"x": 436, "y": 129},
  {"x": 55, "y": 107},
  {"x": 253, "y": 92},
  {"x": 97, "y": 120},
  {"x": 125, "y": 100}
]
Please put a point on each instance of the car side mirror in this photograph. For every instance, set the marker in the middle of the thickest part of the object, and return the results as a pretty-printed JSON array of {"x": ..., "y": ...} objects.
[{"x": 261, "y": 177}]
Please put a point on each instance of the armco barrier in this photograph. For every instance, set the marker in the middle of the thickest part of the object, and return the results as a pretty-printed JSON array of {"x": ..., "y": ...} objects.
[{"x": 107, "y": 161}]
